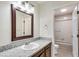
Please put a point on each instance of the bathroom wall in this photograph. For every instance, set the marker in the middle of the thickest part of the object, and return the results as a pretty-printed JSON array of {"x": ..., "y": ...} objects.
[
  {"x": 47, "y": 22},
  {"x": 5, "y": 22},
  {"x": 36, "y": 21},
  {"x": 63, "y": 29}
]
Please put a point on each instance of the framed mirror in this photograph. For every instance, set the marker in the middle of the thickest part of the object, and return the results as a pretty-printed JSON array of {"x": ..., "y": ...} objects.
[{"x": 22, "y": 24}]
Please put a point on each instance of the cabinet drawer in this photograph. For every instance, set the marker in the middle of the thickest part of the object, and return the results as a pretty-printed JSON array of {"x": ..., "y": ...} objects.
[{"x": 48, "y": 52}]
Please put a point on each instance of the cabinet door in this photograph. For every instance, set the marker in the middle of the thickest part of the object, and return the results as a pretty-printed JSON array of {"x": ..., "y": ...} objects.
[
  {"x": 48, "y": 52},
  {"x": 42, "y": 55}
]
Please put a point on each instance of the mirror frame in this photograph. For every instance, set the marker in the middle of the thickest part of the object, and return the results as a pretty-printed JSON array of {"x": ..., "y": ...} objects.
[{"x": 13, "y": 24}]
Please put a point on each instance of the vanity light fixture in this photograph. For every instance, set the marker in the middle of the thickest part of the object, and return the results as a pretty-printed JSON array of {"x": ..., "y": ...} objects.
[
  {"x": 29, "y": 7},
  {"x": 30, "y": 10},
  {"x": 17, "y": 4},
  {"x": 24, "y": 6},
  {"x": 63, "y": 10}
]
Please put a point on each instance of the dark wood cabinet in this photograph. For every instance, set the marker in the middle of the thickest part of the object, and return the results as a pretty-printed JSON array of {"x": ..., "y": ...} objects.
[
  {"x": 45, "y": 52},
  {"x": 48, "y": 52},
  {"x": 42, "y": 54}
]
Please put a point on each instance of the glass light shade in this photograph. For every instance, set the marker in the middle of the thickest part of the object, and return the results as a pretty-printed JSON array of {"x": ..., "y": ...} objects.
[{"x": 28, "y": 7}]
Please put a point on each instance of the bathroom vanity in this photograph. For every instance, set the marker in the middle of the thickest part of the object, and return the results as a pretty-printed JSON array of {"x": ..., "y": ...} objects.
[{"x": 15, "y": 49}]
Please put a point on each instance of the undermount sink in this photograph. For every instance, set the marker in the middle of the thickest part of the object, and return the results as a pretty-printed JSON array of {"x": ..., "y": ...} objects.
[{"x": 30, "y": 46}]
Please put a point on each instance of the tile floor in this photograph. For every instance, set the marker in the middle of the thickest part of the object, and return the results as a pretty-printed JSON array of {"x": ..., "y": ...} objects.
[{"x": 64, "y": 51}]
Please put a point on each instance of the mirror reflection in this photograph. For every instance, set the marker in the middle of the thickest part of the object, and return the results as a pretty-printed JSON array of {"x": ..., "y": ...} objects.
[{"x": 23, "y": 24}]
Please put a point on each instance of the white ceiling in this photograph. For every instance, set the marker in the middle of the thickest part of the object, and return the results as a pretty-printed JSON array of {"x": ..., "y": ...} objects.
[
  {"x": 69, "y": 8},
  {"x": 53, "y": 2},
  {"x": 58, "y": 5}
]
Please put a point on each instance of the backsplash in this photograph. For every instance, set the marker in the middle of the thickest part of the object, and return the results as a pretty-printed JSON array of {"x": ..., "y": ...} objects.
[{"x": 16, "y": 44}]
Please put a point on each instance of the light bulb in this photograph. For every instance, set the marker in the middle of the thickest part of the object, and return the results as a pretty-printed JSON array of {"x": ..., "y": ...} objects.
[{"x": 63, "y": 10}]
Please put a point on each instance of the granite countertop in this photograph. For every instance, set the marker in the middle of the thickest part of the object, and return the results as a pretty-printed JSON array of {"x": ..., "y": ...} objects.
[{"x": 19, "y": 52}]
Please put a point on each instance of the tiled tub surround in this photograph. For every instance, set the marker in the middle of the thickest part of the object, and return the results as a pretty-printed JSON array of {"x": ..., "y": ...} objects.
[{"x": 14, "y": 49}]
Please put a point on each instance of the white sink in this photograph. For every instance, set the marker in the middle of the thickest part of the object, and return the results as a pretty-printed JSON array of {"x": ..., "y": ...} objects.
[{"x": 30, "y": 46}]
